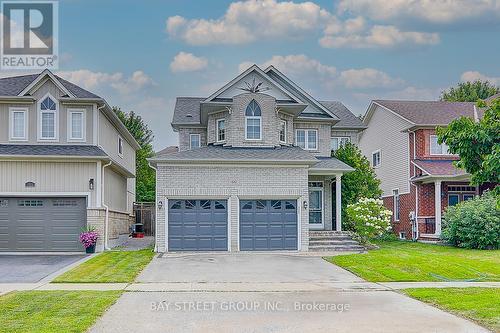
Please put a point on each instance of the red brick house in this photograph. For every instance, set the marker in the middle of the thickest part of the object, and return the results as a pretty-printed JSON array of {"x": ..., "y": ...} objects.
[{"x": 419, "y": 180}]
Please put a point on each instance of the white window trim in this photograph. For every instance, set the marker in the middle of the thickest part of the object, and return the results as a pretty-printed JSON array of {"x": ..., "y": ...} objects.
[
  {"x": 246, "y": 127},
  {"x": 339, "y": 138},
  {"x": 380, "y": 159},
  {"x": 13, "y": 110},
  {"x": 430, "y": 147},
  {"x": 217, "y": 131},
  {"x": 70, "y": 125},
  {"x": 191, "y": 141},
  {"x": 394, "y": 204},
  {"x": 279, "y": 133},
  {"x": 306, "y": 138},
  {"x": 322, "y": 190},
  {"x": 120, "y": 141},
  {"x": 56, "y": 119}
]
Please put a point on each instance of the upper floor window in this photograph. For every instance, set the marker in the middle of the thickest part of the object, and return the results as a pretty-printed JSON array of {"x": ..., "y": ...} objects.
[
  {"x": 76, "y": 125},
  {"x": 307, "y": 139},
  {"x": 48, "y": 119},
  {"x": 120, "y": 146},
  {"x": 18, "y": 124},
  {"x": 194, "y": 141},
  {"x": 376, "y": 159},
  {"x": 253, "y": 121},
  {"x": 339, "y": 141},
  {"x": 438, "y": 149},
  {"x": 283, "y": 131},
  {"x": 221, "y": 130}
]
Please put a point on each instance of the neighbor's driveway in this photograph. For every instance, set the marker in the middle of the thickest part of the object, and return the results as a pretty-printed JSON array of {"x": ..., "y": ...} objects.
[{"x": 32, "y": 268}]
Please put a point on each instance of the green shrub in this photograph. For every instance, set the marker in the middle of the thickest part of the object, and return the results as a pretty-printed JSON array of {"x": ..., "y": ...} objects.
[
  {"x": 473, "y": 224},
  {"x": 370, "y": 218}
]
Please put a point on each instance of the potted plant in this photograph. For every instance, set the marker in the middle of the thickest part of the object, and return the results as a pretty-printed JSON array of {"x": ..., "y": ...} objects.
[{"x": 89, "y": 239}]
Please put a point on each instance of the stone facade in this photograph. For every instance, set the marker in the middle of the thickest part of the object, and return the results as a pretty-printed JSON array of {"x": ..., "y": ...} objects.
[
  {"x": 324, "y": 136},
  {"x": 184, "y": 133},
  {"x": 118, "y": 223},
  {"x": 233, "y": 183}
]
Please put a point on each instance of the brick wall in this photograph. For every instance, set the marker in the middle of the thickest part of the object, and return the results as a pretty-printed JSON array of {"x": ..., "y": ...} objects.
[
  {"x": 184, "y": 142},
  {"x": 118, "y": 223},
  {"x": 233, "y": 183},
  {"x": 423, "y": 146},
  {"x": 407, "y": 204}
]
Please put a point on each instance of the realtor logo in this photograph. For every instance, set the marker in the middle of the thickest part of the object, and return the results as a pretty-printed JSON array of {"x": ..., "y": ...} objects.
[{"x": 29, "y": 35}]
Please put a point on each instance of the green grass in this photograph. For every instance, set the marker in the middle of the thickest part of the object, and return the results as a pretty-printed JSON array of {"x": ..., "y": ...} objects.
[
  {"x": 109, "y": 267},
  {"x": 53, "y": 311},
  {"x": 477, "y": 304},
  {"x": 408, "y": 261}
]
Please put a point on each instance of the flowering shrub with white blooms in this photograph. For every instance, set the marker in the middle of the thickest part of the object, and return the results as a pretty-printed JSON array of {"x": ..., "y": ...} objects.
[{"x": 370, "y": 218}]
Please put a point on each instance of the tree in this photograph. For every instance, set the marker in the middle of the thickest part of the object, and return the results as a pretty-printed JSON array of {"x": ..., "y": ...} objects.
[
  {"x": 470, "y": 91},
  {"x": 145, "y": 176},
  {"x": 477, "y": 143},
  {"x": 361, "y": 183}
]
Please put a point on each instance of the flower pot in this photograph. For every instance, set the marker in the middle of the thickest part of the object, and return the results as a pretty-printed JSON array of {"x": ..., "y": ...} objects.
[{"x": 90, "y": 249}]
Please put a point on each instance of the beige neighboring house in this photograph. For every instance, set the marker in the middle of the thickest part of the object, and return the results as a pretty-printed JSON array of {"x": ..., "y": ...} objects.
[
  {"x": 253, "y": 170},
  {"x": 66, "y": 162}
]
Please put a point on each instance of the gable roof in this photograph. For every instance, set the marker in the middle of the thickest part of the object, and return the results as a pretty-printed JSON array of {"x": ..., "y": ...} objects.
[
  {"x": 347, "y": 118},
  {"x": 187, "y": 111},
  {"x": 428, "y": 112}
]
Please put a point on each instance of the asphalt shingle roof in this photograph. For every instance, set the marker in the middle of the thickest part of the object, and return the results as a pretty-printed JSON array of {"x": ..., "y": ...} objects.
[
  {"x": 12, "y": 86},
  {"x": 187, "y": 110},
  {"x": 429, "y": 112},
  {"x": 439, "y": 167},
  {"x": 331, "y": 163},
  {"x": 347, "y": 118},
  {"x": 52, "y": 150}
]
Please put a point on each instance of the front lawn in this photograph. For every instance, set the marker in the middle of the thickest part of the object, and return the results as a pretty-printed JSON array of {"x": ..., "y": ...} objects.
[
  {"x": 477, "y": 304},
  {"x": 109, "y": 267},
  {"x": 409, "y": 261},
  {"x": 53, "y": 311}
]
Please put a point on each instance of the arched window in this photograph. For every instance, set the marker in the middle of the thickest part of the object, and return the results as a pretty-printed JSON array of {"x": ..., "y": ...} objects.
[
  {"x": 253, "y": 121},
  {"x": 48, "y": 129}
]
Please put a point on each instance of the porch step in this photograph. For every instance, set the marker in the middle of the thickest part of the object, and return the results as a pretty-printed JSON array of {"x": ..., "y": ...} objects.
[{"x": 323, "y": 241}]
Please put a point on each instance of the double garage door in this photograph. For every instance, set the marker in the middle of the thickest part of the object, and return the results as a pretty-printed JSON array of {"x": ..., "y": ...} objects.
[
  {"x": 41, "y": 224},
  {"x": 202, "y": 225}
]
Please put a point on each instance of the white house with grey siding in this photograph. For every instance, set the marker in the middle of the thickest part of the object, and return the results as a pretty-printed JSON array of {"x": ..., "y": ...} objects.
[
  {"x": 66, "y": 162},
  {"x": 253, "y": 170}
]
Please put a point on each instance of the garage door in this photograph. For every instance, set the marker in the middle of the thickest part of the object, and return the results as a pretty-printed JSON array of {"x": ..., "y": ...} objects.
[
  {"x": 268, "y": 225},
  {"x": 197, "y": 225},
  {"x": 41, "y": 224}
]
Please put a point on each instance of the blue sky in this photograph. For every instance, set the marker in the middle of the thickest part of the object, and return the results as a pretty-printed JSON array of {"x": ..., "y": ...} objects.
[{"x": 140, "y": 55}]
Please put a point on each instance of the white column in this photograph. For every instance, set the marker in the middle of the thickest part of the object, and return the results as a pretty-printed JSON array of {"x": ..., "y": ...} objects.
[
  {"x": 338, "y": 202},
  {"x": 437, "y": 206}
]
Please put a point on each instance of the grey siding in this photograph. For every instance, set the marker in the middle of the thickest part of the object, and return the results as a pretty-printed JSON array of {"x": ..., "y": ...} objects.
[
  {"x": 386, "y": 131},
  {"x": 115, "y": 190},
  {"x": 233, "y": 183},
  {"x": 108, "y": 140},
  {"x": 51, "y": 177}
]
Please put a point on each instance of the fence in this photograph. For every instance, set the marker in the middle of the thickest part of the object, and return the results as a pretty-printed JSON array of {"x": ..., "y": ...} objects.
[{"x": 145, "y": 215}]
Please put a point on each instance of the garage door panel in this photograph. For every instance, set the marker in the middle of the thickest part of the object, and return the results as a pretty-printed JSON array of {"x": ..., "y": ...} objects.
[
  {"x": 268, "y": 225},
  {"x": 197, "y": 225}
]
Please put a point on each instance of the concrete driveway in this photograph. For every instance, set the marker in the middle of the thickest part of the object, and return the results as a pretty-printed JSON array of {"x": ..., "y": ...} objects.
[{"x": 32, "y": 268}]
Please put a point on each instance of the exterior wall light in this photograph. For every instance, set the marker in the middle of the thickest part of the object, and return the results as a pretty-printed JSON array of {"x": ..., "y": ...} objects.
[
  {"x": 160, "y": 205},
  {"x": 305, "y": 204},
  {"x": 91, "y": 184}
]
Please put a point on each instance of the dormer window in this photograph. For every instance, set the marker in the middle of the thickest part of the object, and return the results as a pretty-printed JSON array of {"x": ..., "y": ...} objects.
[
  {"x": 253, "y": 121},
  {"x": 47, "y": 109}
]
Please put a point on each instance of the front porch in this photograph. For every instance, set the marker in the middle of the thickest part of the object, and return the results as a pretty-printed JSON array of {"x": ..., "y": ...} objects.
[{"x": 325, "y": 197}]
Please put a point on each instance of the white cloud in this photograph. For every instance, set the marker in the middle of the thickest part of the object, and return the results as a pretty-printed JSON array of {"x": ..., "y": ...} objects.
[
  {"x": 298, "y": 64},
  {"x": 247, "y": 21},
  {"x": 407, "y": 93},
  {"x": 432, "y": 11},
  {"x": 474, "y": 76},
  {"x": 354, "y": 33},
  {"x": 187, "y": 62},
  {"x": 367, "y": 78},
  {"x": 118, "y": 81}
]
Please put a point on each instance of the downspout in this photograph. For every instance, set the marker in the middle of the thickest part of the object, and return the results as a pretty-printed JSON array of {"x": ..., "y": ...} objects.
[
  {"x": 106, "y": 218},
  {"x": 156, "y": 206},
  {"x": 417, "y": 234}
]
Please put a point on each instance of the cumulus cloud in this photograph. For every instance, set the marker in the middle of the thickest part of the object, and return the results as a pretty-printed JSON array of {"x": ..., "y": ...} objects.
[
  {"x": 187, "y": 62},
  {"x": 474, "y": 76},
  {"x": 247, "y": 21},
  {"x": 440, "y": 12},
  {"x": 367, "y": 78},
  {"x": 118, "y": 81}
]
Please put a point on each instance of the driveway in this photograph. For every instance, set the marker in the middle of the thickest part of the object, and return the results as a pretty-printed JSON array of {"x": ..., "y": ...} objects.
[
  {"x": 286, "y": 309},
  {"x": 32, "y": 268}
]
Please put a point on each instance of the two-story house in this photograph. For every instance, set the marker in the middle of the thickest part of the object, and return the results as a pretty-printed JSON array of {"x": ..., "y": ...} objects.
[
  {"x": 254, "y": 169},
  {"x": 66, "y": 162},
  {"x": 418, "y": 177}
]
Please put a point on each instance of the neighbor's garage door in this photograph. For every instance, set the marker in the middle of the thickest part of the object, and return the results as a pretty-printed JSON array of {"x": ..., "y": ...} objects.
[
  {"x": 197, "y": 225},
  {"x": 268, "y": 225},
  {"x": 41, "y": 224}
]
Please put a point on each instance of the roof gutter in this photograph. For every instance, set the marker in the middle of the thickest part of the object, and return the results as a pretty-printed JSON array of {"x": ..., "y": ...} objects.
[{"x": 220, "y": 161}]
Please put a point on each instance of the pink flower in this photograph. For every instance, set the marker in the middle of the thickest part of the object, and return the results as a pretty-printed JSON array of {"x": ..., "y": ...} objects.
[{"x": 88, "y": 238}]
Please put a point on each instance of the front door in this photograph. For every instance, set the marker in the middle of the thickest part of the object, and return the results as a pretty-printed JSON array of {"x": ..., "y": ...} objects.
[{"x": 316, "y": 218}]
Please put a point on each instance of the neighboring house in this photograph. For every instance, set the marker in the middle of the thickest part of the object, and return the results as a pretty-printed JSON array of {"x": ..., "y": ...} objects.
[
  {"x": 66, "y": 162},
  {"x": 253, "y": 170},
  {"x": 418, "y": 177}
]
